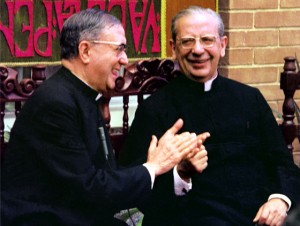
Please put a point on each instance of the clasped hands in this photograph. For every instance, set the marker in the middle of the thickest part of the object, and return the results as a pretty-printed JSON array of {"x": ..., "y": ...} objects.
[{"x": 186, "y": 150}]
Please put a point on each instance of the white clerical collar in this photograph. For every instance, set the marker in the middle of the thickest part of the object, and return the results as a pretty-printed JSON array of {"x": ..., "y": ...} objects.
[
  {"x": 98, "y": 96},
  {"x": 208, "y": 84}
]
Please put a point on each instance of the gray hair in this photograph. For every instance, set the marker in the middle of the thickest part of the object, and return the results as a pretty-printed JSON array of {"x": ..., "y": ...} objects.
[
  {"x": 196, "y": 10},
  {"x": 84, "y": 25}
]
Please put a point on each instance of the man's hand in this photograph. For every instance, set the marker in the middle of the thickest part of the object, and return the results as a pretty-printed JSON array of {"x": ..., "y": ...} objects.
[
  {"x": 272, "y": 213},
  {"x": 164, "y": 154},
  {"x": 195, "y": 162}
]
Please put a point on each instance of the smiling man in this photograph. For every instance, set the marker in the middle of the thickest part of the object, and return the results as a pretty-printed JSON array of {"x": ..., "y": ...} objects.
[
  {"x": 250, "y": 178},
  {"x": 59, "y": 167}
]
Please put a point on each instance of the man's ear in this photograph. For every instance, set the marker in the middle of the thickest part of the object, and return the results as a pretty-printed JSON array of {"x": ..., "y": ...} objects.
[
  {"x": 224, "y": 42},
  {"x": 84, "y": 51},
  {"x": 172, "y": 44}
]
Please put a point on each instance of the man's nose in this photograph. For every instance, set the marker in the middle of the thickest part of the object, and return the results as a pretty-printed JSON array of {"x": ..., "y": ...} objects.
[
  {"x": 198, "y": 47},
  {"x": 123, "y": 58}
]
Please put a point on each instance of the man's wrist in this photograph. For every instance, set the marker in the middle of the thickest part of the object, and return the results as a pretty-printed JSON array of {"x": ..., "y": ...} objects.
[
  {"x": 181, "y": 186},
  {"x": 151, "y": 171},
  {"x": 185, "y": 170},
  {"x": 283, "y": 197},
  {"x": 185, "y": 177}
]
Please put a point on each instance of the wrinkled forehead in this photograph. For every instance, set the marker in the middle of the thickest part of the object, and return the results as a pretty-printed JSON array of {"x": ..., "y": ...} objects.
[
  {"x": 197, "y": 24},
  {"x": 115, "y": 31}
]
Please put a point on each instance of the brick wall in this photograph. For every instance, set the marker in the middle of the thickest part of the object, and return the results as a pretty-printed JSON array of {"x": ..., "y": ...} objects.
[{"x": 261, "y": 33}]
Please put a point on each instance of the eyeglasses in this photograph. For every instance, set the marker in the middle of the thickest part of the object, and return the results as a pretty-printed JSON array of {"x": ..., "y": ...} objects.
[
  {"x": 189, "y": 42},
  {"x": 121, "y": 47}
]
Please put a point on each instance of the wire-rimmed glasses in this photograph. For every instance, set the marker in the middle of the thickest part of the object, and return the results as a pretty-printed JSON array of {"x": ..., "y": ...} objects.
[
  {"x": 121, "y": 47},
  {"x": 189, "y": 42}
]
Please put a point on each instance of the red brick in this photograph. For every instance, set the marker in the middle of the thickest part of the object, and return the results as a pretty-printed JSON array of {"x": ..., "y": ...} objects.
[
  {"x": 253, "y": 75},
  {"x": 289, "y": 3},
  {"x": 246, "y": 4},
  {"x": 271, "y": 92},
  {"x": 277, "y": 19},
  {"x": 289, "y": 37},
  {"x": 238, "y": 56},
  {"x": 274, "y": 55},
  {"x": 274, "y": 106},
  {"x": 254, "y": 4},
  {"x": 237, "y": 20},
  {"x": 253, "y": 38}
]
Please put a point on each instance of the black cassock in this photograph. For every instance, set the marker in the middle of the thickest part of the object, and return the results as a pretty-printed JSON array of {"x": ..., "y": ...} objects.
[
  {"x": 247, "y": 156},
  {"x": 55, "y": 170}
]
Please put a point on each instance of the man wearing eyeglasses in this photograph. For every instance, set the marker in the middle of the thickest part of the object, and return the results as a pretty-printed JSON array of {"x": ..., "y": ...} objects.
[
  {"x": 59, "y": 167},
  {"x": 250, "y": 178}
]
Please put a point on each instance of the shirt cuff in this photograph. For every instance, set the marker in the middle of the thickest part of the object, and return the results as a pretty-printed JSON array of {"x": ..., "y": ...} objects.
[
  {"x": 283, "y": 197},
  {"x": 151, "y": 172},
  {"x": 181, "y": 187}
]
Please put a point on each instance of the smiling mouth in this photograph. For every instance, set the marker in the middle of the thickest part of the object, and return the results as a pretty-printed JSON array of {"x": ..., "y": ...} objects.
[
  {"x": 198, "y": 61},
  {"x": 116, "y": 73}
]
